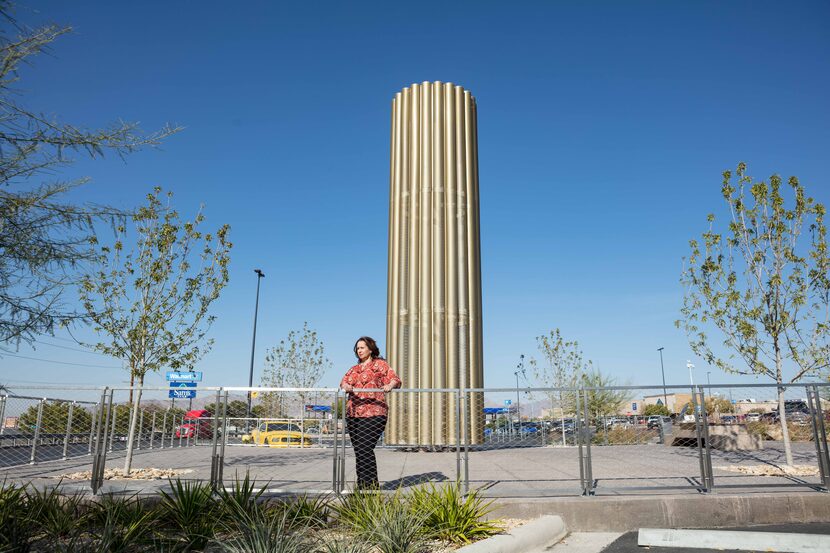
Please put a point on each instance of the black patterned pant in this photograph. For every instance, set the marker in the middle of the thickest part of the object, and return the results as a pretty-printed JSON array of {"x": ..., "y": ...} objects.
[{"x": 365, "y": 433}]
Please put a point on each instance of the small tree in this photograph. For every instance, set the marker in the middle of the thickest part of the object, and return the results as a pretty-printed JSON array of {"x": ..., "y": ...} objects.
[
  {"x": 152, "y": 304},
  {"x": 757, "y": 284},
  {"x": 602, "y": 401},
  {"x": 299, "y": 361},
  {"x": 561, "y": 367},
  {"x": 653, "y": 409},
  {"x": 719, "y": 405}
]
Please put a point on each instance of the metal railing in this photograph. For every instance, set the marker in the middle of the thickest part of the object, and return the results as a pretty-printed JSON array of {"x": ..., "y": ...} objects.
[{"x": 562, "y": 441}]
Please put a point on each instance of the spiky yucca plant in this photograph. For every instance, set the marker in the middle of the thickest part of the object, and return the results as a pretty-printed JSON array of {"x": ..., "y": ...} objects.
[
  {"x": 14, "y": 522},
  {"x": 55, "y": 515},
  {"x": 189, "y": 508},
  {"x": 451, "y": 515}
]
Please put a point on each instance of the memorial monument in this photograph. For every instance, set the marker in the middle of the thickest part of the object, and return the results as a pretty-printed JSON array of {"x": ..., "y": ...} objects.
[{"x": 433, "y": 329}]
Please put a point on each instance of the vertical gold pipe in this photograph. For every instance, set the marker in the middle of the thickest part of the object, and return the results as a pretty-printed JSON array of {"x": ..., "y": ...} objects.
[
  {"x": 413, "y": 272},
  {"x": 463, "y": 254},
  {"x": 439, "y": 366},
  {"x": 474, "y": 272},
  {"x": 425, "y": 244},
  {"x": 451, "y": 225},
  {"x": 393, "y": 296}
]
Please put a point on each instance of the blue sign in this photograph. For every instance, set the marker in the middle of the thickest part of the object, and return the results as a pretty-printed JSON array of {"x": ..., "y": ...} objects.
[
  {"x": 185, "y": 375},
  {"x": 182, "y": 394},
  {"x": 182, "y": 384},
  {"x": 324, "y": 408},
  {"x": 634, "y": 406},
  {"x": 508, "y": 401}
]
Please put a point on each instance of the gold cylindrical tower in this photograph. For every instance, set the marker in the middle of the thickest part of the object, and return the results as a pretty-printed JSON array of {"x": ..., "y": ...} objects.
[{"x": 433, "y": 328}]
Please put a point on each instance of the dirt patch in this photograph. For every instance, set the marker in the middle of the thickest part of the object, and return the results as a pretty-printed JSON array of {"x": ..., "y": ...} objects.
[
  {"x": 772, "y": 470},
  {"x": 135, "y": 474}
]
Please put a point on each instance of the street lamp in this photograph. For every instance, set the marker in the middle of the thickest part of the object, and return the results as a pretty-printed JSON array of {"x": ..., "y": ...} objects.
[
  {"x": 708, "y": 383},
  {"x": 690, "y": 367},
  {"x": 663, "y": 372},
  {"x": 520, "y": 369},
  {"x": 259, "y": 275}
]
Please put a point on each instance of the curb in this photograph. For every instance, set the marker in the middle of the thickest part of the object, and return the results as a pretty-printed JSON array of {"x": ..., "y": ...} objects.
[
  {"x": 627, "y": 513},
  {"x": 532, "y": 536}
]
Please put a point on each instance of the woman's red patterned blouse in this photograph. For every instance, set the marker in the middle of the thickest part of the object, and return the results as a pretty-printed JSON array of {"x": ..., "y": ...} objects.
[{"x": 375, "y": 374}]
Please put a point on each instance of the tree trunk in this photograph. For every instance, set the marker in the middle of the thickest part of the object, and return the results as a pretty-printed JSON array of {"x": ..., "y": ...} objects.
[
  {"x": 128, "y": 461},
  {"x": 785, "y": 431}
]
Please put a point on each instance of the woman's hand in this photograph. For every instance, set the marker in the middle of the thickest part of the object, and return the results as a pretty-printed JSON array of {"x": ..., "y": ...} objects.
[
  {"x": 388, "y": 388},
  {"x": 348, "y": 388}
]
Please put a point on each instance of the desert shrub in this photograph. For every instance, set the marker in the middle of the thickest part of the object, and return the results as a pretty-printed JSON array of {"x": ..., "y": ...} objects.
[{"x": 452, "y": 516}]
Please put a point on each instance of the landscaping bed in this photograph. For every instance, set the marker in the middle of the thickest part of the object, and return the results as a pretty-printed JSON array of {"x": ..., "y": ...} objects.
[{"x": 191, "y": 517}]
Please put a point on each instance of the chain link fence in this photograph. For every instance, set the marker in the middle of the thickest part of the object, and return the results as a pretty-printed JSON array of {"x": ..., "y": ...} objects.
[{"x": 503, "y": 442}]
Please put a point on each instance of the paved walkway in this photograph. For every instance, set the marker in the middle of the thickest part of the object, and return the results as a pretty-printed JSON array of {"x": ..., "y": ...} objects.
[{"x": 509, "y": 472}]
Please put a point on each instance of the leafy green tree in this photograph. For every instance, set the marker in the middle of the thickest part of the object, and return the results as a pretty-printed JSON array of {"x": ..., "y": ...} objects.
[
  {"x": 762, "y": 286},
  {"x": 152, "y": 303},
  {"x": 44, "y": 236},
  {"x": 236, "y": 408},
  {"x": 653, "y": 409},
  {"x": 299, "y": 361},
  {"x": 55, "y": 416},
  {"x": 718, "y": 405},
  {"x": 562, "y": 366}
]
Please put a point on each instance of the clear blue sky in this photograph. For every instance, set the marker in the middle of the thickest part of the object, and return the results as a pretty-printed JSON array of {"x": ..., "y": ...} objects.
[{"x": 603, "y": 130}]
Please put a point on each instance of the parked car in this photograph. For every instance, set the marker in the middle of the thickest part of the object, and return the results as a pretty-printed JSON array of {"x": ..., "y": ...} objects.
[
  {"x": 197, "y": 423},
  {"x": 753, "y": 417},
  {"x": 656, "y": 421},
  {"x": 277, "y": 434},
  {"x": 529, "y": 427},
  {"x": 617, "y": 421}
]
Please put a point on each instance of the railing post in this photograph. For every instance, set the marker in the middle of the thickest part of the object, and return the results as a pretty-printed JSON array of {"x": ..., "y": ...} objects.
[
  {"x": 214, "y": 458},
  {"x": 3, "y": 400},
  {"x": 586, "y": 436},
  {"x": 137, "y": 444},
  {"x": 93, "y": 419},
  {"x": 704, "y": 450},
  {"x": 466, "y": 401},
  {"x": 163, "y": 428},
  {"x": 153, "y": 429},
  {"x": 114, "y": 411},
  {"x": 220, "y": 466},
  {"x": 100, "y": 458},
  {"x": 36, "y": 436},
  {"x": 819, "y": 434},
  {"x": 458, "y": 436},
  {"x": 68, "y": 430}
]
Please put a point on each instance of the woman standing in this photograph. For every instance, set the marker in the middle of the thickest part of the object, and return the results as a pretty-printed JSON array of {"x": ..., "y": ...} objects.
[{"x": 366, "y": 411}]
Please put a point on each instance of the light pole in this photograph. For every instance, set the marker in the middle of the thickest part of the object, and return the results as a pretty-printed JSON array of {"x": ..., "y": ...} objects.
[
  {"x": 708, "y": 383},
  {"x": 520, "y": 369},
  {"x": 663, "y": 372},
  {"x": 259, "y": 275},
  {"x": 690, "y": 367}
]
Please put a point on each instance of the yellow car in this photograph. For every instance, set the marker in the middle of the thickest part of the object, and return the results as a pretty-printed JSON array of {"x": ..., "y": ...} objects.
[{"x": 277, "y": 434}]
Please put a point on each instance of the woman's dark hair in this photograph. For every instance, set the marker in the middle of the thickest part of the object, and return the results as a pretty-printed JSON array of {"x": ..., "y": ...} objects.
[{"x": 371, "y": 344}]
